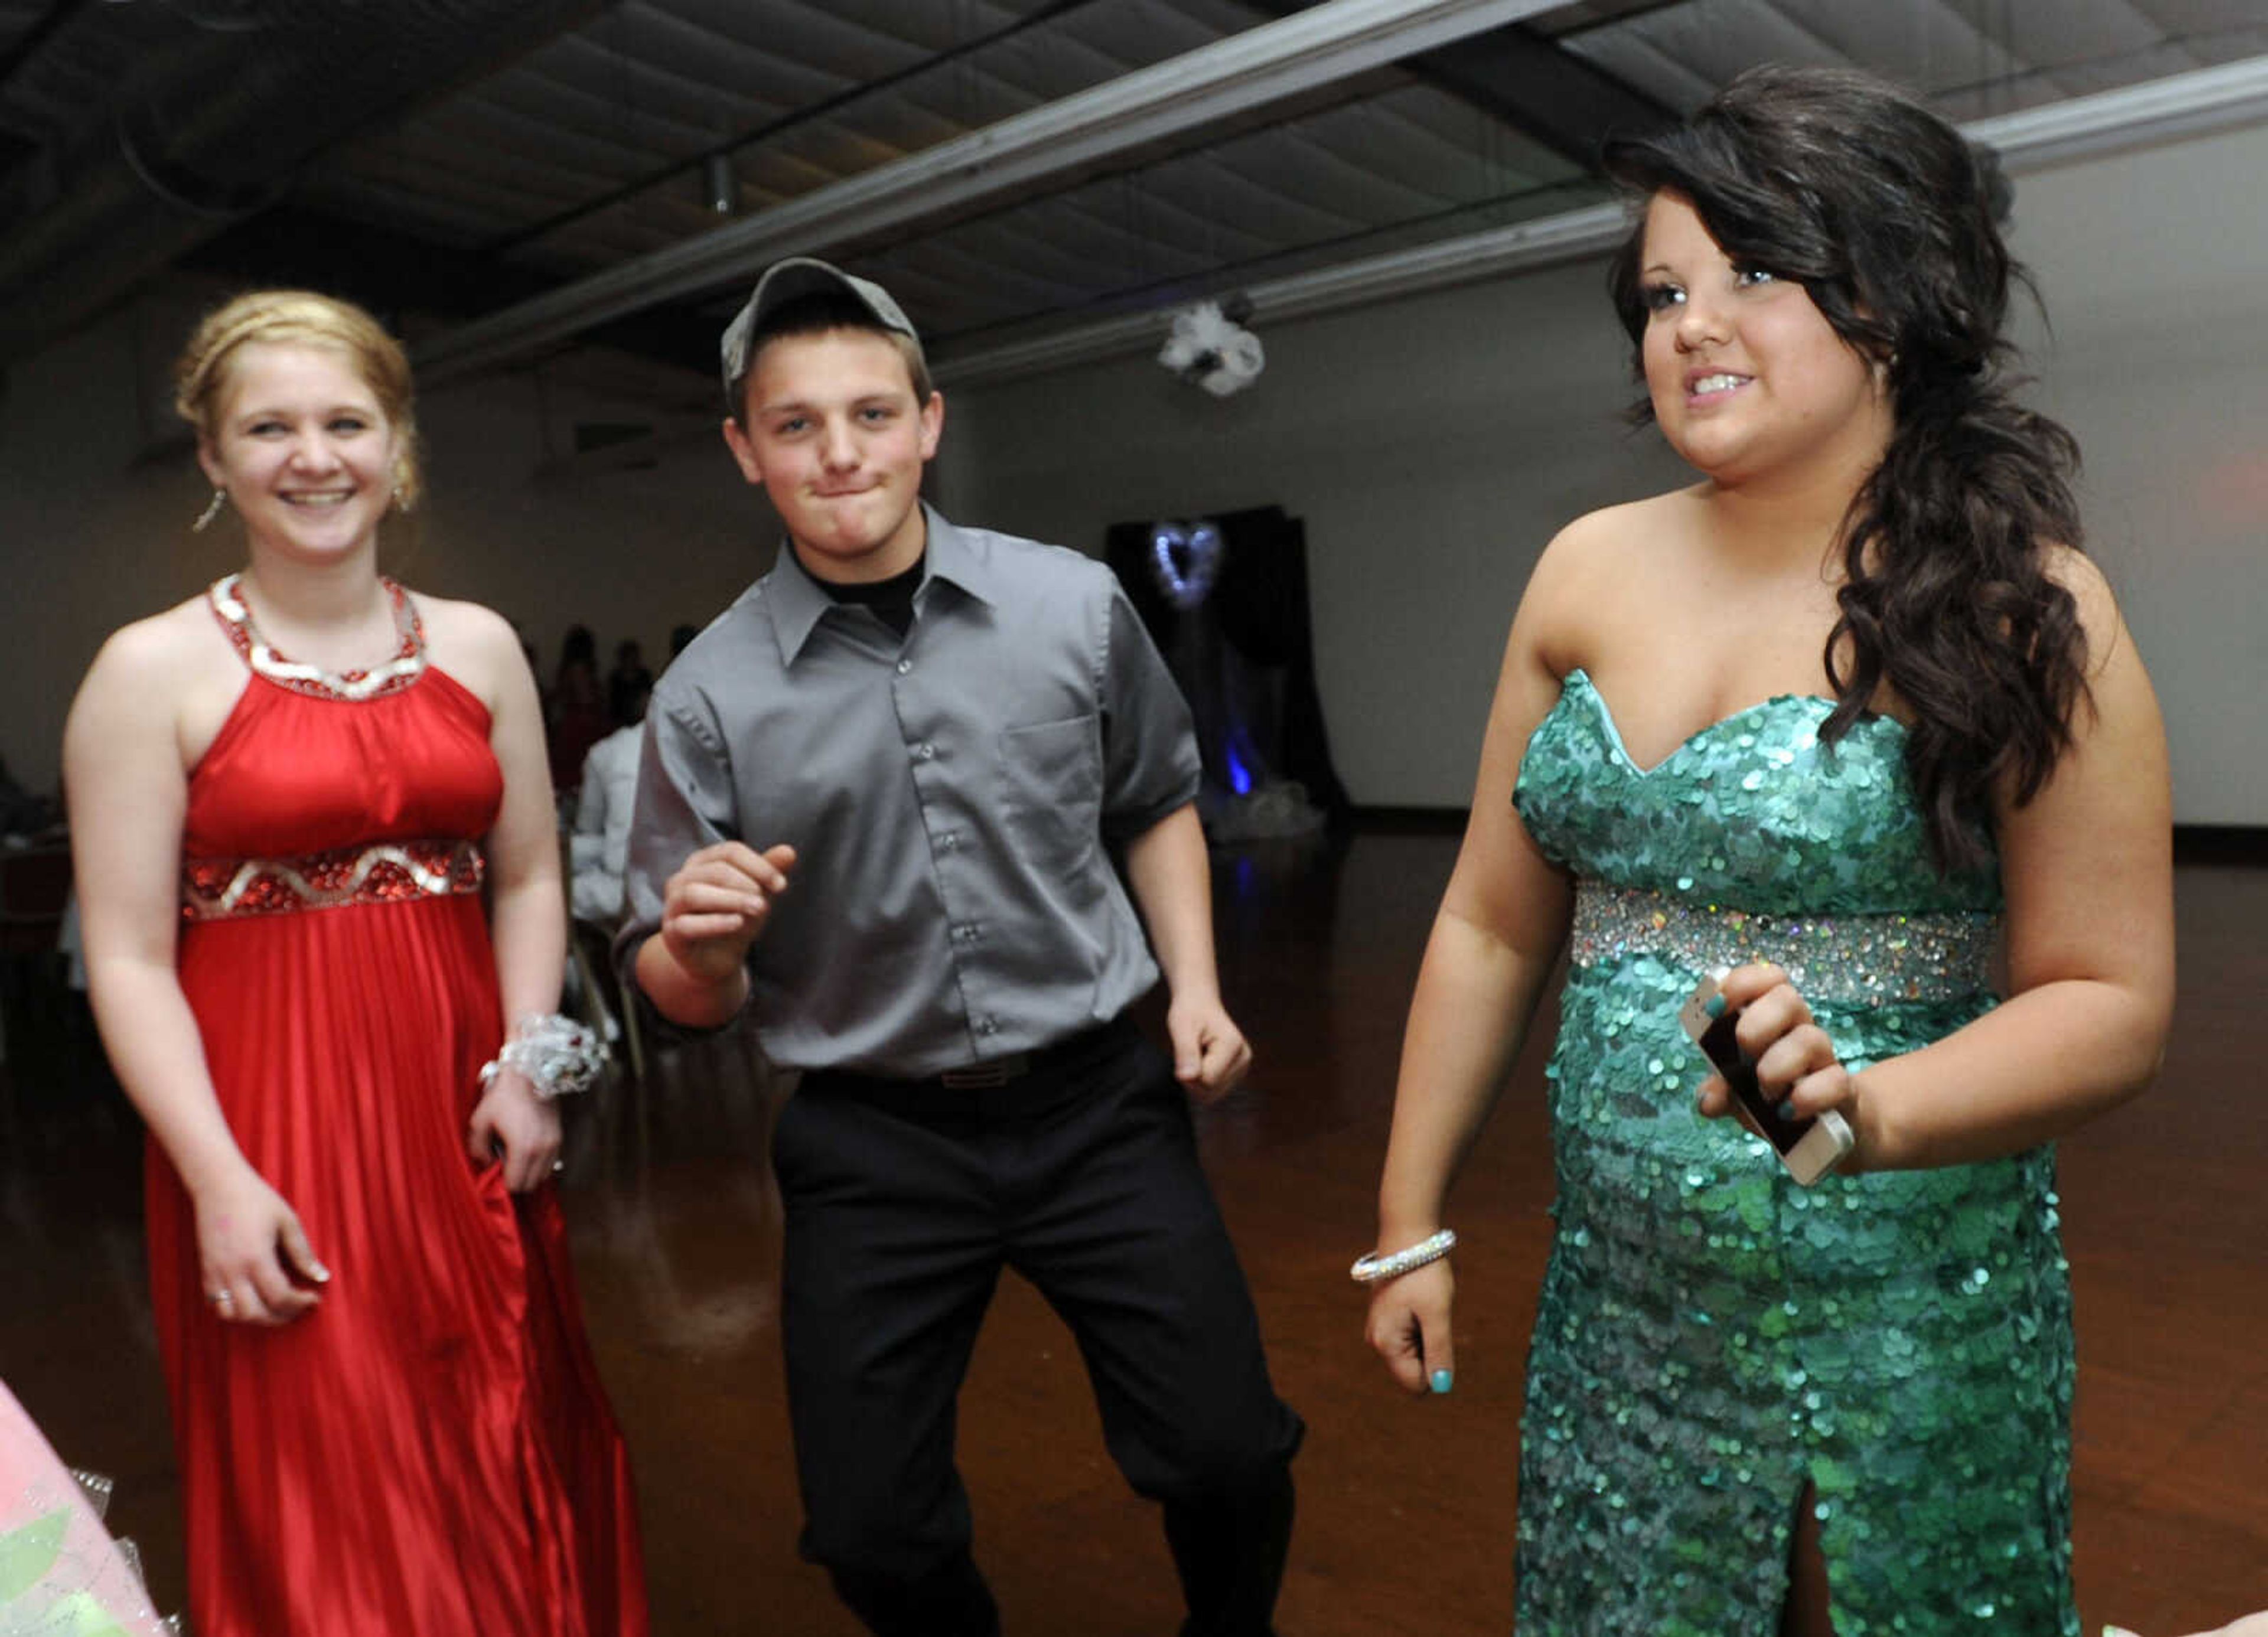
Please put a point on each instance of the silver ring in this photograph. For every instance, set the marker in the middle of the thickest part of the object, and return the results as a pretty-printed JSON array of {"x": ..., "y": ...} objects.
[
  {"x": 222, "y": 1299},
  {"x": 558, "y": 1166}
]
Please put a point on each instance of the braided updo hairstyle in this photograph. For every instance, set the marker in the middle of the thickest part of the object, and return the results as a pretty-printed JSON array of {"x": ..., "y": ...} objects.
[{"x": 306, "y": 318}]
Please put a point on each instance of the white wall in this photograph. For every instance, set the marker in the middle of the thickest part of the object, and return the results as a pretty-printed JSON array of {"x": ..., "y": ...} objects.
[
  {"x": 94, "y": 522},
  {"x": 1435, "y": 443},
  {"x": 630, "y": 553},
  {"x": 2152, "y": 266},
  {"x": 1432, "y": 445}
]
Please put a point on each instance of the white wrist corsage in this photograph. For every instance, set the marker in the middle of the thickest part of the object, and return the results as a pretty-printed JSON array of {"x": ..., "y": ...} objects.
[{"x": 557, "y": 1054}]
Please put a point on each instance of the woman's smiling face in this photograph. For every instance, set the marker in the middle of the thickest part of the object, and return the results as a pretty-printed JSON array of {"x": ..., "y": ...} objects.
[
  {"x": 302, "y": 447},
  {"x": 1748, "y": 377}
]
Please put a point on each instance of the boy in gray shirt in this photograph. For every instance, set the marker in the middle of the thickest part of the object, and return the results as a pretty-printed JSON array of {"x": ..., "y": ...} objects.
[{"x": 874, "y": 810}]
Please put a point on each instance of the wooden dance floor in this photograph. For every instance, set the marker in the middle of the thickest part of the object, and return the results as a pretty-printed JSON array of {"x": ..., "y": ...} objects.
[{"x": 1405, "y": 1506}]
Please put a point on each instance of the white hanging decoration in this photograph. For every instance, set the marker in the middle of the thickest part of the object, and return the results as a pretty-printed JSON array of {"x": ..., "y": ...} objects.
[
  {"x": 1184, "y": 557},
  {"x": 1209, "y": 349}
]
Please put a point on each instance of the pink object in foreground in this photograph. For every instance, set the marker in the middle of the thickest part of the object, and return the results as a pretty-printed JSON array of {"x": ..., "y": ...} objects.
[{"x": 60, "y": 1571}]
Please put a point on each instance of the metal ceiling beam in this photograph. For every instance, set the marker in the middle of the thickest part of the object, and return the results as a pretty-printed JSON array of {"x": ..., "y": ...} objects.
[
  {"x": 2132, "y": 116},
  {"x": 809, "y": 113},
  {"x": 1568, "y": 236},
  {"x": 1526, "y": 80},
  {"x": 1263, "y": 64},
  {"x": 2112, "y": 121},
  {"x": 392, "y": 275},
  {"x": 1569, "y": 105}
]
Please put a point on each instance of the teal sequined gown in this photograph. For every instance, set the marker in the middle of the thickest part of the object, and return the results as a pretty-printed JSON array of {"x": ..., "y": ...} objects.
[{"x": 1712, "y": 1336}]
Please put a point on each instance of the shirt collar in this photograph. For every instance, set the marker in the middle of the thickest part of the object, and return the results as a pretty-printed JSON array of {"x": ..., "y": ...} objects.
[
  {"x": 797, "y": 601},
  {"x": 953, "y": 559}
]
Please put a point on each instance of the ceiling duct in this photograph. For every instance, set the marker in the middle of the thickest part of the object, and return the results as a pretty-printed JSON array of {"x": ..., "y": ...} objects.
[{"x": 214, "y": 108}]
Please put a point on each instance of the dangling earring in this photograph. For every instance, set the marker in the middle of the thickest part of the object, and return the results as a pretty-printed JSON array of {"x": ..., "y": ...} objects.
[
  {"x": 400, "y": 497},
  {"x": 212, "y": 510}
]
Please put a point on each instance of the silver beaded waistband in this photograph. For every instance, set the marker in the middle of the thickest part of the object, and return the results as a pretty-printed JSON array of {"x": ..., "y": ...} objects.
[{"x": 1848, "y": 960}]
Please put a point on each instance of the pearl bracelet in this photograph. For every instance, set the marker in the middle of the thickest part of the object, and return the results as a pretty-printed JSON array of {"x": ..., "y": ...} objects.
[
  {"x": 1376, "y": 1270},
  {"x": 557, "y": 1054}
]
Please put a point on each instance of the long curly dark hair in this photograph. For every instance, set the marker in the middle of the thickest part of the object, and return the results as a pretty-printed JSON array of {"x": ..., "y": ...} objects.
[{"x": 1891, "y": 222}]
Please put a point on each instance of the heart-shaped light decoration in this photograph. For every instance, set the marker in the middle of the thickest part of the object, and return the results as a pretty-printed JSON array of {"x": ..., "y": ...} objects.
[{"x": 1185, "y": 557}]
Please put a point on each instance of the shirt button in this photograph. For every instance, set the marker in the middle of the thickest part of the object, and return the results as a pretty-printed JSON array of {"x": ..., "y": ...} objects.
[
  {"x": 949, "y": 840},
  {"x": 925, "y": 752},
  {"x": 986, "y": 1025},
  {"x": 904, "y": 666}
]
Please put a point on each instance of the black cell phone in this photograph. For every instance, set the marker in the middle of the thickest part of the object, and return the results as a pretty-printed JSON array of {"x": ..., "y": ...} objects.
[{"x": 1808, "y": 1147}]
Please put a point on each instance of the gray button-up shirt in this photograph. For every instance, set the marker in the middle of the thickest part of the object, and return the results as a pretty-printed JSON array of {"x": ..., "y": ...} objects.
[{"x": 948, "y": 797}]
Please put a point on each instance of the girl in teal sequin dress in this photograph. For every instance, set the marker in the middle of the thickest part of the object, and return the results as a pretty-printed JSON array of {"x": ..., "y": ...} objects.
[{"x": 1846, "y": 716}]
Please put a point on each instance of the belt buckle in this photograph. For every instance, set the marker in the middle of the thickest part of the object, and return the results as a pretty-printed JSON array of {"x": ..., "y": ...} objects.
[{"x": 982, "y": 1077}]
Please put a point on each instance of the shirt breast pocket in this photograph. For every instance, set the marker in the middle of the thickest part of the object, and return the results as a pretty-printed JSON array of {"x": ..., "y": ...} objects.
[{"x": 1051, "y": 788}]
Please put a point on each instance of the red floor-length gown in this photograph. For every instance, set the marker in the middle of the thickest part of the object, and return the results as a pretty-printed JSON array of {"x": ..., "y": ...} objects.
[{"x": 429, "y": 1453}]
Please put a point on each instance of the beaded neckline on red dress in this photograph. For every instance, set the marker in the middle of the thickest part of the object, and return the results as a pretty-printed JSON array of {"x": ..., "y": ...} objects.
[{"x": 397, "y": 671}]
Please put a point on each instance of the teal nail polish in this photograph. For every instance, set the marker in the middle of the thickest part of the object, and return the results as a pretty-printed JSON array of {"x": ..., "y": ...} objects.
[
  {"x": 1441, "y": 1381},
  {"x": 1786, "y": 1110},
  {"x": 1714, "y": 1006}
]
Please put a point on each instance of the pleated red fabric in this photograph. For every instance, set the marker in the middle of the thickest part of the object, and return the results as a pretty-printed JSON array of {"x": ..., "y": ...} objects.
[{"x": 429, "y": 1452}]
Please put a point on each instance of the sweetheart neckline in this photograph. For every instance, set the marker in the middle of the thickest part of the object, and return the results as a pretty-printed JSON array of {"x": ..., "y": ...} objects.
[{"x": 1614, "y": 732}]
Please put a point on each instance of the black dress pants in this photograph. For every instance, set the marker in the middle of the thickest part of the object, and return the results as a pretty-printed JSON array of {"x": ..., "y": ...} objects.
[{"x": 903, "y": 1202}]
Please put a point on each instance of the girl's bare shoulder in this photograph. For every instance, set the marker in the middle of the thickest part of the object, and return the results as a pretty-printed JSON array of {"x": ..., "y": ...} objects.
[
  {"x": 473, "y": 643},
  {"x": 1597, "y": 568},
  {"x": 164, "y": 651}
]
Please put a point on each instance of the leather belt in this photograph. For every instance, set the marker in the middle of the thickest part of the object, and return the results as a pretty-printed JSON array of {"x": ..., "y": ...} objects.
[
  {"x": 989, "y": 1075},
  {"x": 996, "y": 1071}
]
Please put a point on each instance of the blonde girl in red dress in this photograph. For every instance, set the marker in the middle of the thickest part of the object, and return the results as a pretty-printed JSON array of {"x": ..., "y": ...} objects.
[{"x": 313, "y": 833}]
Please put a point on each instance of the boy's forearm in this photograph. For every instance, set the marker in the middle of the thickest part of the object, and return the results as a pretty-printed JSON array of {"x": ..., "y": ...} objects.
[
  {"x": 1172, "y": 879},
  {"x": 687, "y": 998}
]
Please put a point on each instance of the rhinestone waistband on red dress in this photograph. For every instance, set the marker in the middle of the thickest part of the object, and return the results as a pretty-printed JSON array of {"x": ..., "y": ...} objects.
[{"x": 387, "y": 872}]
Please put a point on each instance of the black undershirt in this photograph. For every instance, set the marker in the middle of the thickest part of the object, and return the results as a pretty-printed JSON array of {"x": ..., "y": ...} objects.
[{"x": 891, "y": 599}]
